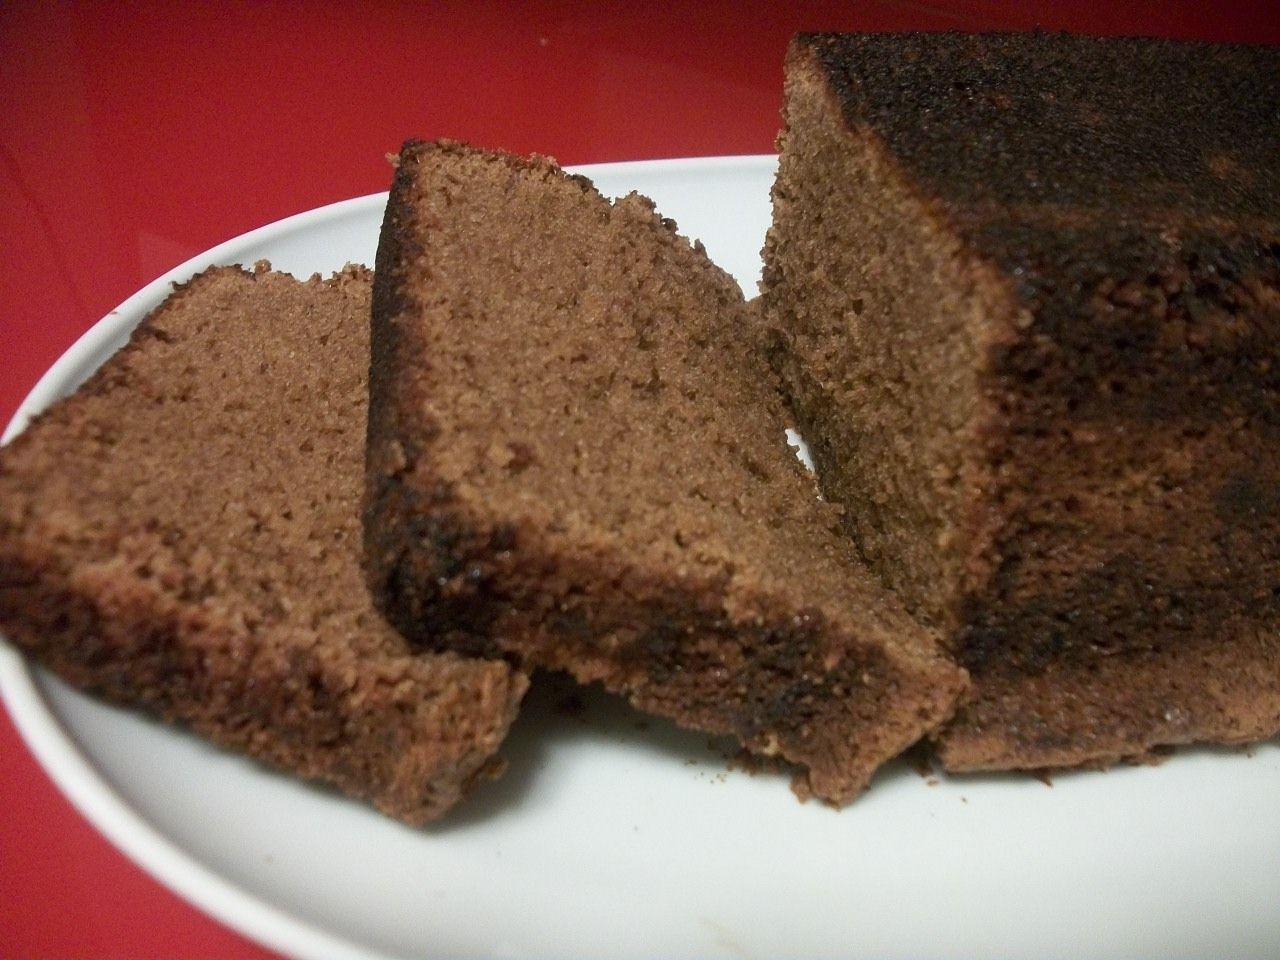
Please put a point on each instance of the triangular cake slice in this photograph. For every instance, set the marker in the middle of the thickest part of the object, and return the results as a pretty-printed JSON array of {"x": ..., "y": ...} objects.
[
  {"x": 577, "y": 459},
  {"x": 182, "y": 534}
]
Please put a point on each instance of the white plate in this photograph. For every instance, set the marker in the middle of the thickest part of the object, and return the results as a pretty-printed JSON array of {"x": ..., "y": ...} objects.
[{"x": 616, "y": 837}]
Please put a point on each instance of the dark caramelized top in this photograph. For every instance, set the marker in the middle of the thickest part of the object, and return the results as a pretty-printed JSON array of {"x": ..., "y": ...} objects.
[
  {"x": 1098, "y": 174},
  {"x": 1133, "y": 126}
]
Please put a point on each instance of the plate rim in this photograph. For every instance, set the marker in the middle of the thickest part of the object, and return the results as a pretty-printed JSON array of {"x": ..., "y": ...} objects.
[{"x": 55, "y": 748}]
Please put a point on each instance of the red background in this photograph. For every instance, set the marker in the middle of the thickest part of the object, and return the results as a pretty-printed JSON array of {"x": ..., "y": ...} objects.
[{"x": 136, "y": 135}]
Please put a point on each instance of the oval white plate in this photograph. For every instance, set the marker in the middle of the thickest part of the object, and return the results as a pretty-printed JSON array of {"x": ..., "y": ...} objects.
[{"x": 616, "y": 836}]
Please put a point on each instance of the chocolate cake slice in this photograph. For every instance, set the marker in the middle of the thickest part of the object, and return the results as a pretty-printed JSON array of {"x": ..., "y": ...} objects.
[
  {"x": 577, "y": 459},
  {"x": 182, "y": 534},
  {"x": 1024, "y": 293}
]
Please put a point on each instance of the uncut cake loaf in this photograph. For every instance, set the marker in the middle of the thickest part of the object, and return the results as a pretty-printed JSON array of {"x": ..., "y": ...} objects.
[
  {"x": 182, "y": 534},
  {"x": 577, "y": 459},
  {"x": 1024, "y": 296}
]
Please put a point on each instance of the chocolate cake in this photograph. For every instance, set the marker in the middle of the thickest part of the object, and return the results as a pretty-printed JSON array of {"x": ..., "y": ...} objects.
[
  {"x": 577, "y": 459},
  {"x": 182, "y": 534},
  {"x": 1024, "y": 295}
]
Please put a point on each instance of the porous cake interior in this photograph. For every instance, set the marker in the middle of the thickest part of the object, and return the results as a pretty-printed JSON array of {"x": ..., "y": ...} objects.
[
  {"x": 594, "y": 378},
  {"x": 871, "y": 310},
  {"x": 598, "y": 445},
  {"x": 183, "y": 533}
]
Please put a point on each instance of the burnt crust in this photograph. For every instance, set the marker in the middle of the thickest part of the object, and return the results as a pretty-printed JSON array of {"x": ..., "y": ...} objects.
[
  {"x": 1130, "y": 125},
  {"x": 1120, "y": 198},
  {"x": 783, "y": 682},
  {"x": 1024, "y": 139},
  {"x": 413, "y": 535}
]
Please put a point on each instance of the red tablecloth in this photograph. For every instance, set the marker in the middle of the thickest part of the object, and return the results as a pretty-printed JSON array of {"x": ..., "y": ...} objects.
[{"x": 135, "y": 136}]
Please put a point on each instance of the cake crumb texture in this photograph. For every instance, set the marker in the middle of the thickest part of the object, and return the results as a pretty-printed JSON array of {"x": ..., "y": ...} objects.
[
  {"x": 182, "y": 534},
  {"x": 576, "y": 459}
]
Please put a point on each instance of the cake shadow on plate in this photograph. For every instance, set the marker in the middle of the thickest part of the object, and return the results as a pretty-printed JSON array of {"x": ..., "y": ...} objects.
[
  {"x": 558, "y": 714},
  {"x": 1053, "y": 777}
]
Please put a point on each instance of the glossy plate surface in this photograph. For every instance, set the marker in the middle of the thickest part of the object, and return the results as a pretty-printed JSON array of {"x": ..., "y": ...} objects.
[{"x": 614, "y": 835}]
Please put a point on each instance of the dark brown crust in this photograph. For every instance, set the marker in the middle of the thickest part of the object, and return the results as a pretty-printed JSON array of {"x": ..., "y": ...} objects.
[
  {"x": 425, "y": 523},
  {"x": 123, "y": 640},
  {"x": 1123, "y": 197},
  {"x": 1001, "y": 121},
  {"x": 1170, "y": 609},
  {"x": 128, "y": 614},
  {"x": 784, "y": 681}
]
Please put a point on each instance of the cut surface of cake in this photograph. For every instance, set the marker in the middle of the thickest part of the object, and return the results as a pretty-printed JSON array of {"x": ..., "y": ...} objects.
[
  {"x": 577, "y": 459},
  {"x": 1024, "y": 295},
  {"x": 183, "y": 534}
]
